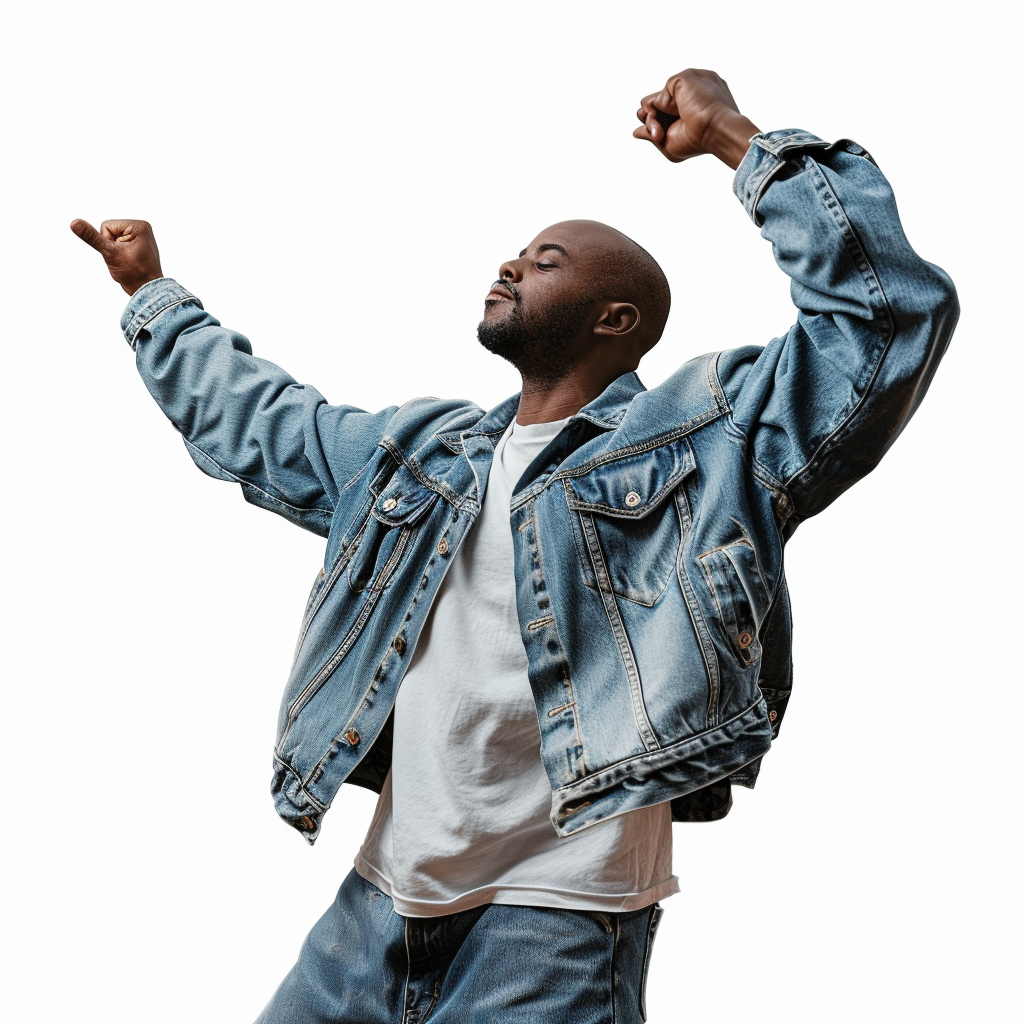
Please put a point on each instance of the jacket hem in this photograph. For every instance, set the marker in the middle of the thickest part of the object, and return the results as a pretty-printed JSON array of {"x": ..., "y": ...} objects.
[
  {"x": 664, "y": 774},
  {"x": 294, "y": 803}
]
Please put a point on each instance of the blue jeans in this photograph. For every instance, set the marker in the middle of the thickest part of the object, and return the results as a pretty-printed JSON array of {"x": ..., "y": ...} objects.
[{"x": 364, "y": 964}]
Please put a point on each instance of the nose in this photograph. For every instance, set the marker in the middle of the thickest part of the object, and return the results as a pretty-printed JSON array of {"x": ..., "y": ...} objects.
[{"x": 510, "y": 271}]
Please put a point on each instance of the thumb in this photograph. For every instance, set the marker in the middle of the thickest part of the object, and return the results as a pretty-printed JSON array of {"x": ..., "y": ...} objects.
[{"x": 88, "y": 234}]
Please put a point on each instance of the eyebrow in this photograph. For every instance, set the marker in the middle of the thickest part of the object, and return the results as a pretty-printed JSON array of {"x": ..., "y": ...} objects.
[{"x": 545, "y": 247}]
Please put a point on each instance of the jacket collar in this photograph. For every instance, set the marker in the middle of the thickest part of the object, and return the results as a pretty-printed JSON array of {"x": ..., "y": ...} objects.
[{"x": 606, "y": 411}]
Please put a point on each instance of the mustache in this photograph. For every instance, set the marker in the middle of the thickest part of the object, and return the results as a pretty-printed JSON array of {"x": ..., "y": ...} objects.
[{"x": 509, "y": 286}]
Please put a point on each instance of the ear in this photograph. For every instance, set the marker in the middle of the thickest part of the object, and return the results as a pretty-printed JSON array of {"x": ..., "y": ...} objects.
[{"x": 619, "y": 319}]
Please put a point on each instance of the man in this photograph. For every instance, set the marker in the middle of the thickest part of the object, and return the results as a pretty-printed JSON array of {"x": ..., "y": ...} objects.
[{"x": 581, "y": 592}]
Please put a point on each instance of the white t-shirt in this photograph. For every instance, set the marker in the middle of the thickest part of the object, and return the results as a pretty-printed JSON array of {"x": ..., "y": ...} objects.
[{"x": 463, "y": 818}]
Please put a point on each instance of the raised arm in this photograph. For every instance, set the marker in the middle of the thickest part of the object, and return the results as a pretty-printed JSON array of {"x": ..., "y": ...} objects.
[
  {"x": 818, "y": 407},
  {"x": 243, "y": 419}
]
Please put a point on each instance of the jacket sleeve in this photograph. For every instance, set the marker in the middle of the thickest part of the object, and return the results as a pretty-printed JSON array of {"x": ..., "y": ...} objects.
[
  {"x": 244, "y": 419},
  {"x": 819, "y": 407}
]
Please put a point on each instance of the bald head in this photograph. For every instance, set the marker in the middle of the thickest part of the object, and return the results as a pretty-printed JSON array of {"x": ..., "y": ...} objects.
[{"x": 616, "y": 268}]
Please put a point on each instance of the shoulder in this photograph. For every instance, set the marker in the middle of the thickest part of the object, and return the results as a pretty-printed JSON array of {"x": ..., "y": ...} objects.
[
  {"x": 702, "y": 389},
  {"x": 418, "y": 419}
]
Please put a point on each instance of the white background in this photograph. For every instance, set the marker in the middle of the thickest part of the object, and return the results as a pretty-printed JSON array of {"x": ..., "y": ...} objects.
[{"x": 341, "y": 183}]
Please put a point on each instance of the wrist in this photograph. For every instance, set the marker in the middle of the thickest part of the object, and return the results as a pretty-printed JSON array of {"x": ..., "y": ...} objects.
[
  {"x": 131, "y": 287},
  {"x": 727, "y": 136}
]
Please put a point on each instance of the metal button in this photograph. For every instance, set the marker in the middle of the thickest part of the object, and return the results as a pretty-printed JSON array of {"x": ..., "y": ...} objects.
[
  {"x": 772, "y": 715},
  {"x": 353, "y": 737},
  {"x": 306, "y": 822},
  {"x": 744, "y": 640},
  {"x": 389, "y": 505},
  {"x": 442, "y": 547},
  {"x": 400, "y": 644},
  {"x": 633, "y": 499},
  {"x": 323, "y": 573}
]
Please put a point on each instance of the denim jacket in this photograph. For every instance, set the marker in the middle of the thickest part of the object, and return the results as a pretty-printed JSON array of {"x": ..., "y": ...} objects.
[{"x": 648, "y": 535}]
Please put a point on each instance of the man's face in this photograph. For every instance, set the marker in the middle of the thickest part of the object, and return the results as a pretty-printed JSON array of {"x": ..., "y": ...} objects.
[{"x": 536, "y": 314}]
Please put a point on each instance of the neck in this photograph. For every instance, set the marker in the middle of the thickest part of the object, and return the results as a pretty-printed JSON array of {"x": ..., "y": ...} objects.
[{"x": 545, "y": 401}]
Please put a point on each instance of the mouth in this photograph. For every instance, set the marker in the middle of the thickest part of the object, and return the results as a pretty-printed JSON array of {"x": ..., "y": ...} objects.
[{"x": 502, "y": 291}]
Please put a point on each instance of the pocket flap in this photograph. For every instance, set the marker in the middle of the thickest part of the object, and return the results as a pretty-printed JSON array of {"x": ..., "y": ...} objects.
[
  {"x": 632, "y": 485},
  {"x": 404, "y": 501}
]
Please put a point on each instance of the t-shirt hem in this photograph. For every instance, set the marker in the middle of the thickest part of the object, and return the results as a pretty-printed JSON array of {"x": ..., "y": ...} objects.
[{"x": 517, "y": 895}]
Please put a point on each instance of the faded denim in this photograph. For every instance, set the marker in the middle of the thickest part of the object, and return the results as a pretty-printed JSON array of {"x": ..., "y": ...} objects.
[
  {"x": 363, "y": 963},
  {"x": 648, "y": 535}
]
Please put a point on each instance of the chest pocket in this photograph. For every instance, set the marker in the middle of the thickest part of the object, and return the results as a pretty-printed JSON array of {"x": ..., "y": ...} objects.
[
  {"x": 383, "y": 539},
  {"x": 626, "y": 524}
]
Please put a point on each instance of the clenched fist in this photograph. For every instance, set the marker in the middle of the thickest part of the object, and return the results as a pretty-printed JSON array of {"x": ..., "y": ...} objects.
[
  {"x": 694, "y": 114},
  {"x": 127, "y": 247}
]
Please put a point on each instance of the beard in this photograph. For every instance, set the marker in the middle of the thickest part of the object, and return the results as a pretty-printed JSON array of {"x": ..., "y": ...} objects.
[{"x": 542, "y": 346}]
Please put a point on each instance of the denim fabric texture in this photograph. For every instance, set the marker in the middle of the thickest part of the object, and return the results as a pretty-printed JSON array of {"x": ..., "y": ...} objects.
[
  {"x": 363, "y": 963},
  {"x": 648, "y": 535}
]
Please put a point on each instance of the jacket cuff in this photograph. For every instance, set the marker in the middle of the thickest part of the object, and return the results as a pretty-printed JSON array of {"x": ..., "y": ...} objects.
[
  {"x": 764, "y": 159},
  {"x": 149, "y": 302}
]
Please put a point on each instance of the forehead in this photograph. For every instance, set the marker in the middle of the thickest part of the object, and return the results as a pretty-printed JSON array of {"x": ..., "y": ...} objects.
[{"x": 578, "y": 238}]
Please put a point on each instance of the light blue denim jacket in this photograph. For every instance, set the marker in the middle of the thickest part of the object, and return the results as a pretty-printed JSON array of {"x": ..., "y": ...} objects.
[{"x": 648, "y": 535}]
